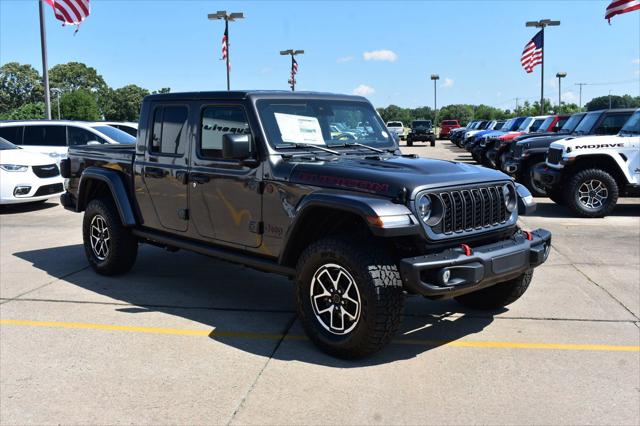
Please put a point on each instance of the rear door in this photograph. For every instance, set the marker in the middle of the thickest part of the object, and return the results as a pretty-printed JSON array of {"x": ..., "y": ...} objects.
[{"x": 164, "y": 170}]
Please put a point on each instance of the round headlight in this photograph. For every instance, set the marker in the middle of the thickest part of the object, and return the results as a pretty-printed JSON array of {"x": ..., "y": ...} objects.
[
  {"x": 424, "y": 207},
  {"x": 509, "y": 197}
]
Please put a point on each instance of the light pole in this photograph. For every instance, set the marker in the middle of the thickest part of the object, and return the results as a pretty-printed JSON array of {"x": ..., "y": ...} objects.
[
  {"x": 45, "y": 66},
  {"x": 609, "y": 99},
  {"x": 57, "y": 92},
  {"x": 560, "y": 76},
  {"x": 228, "y": 17},
  {"x": 543, "y": 23},
  {"x": 435, "y": 78},
  {"x": 294, "y": 65}
]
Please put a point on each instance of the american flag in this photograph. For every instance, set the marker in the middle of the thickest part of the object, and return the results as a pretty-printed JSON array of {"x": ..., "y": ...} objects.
[
  {"x": 618, "y": 7},
  {"x": 70, "y": 12},
  {"x": 294, "y": 67},
  {"x": 532, "y": 53},
  {"x": 225, "y": 37}
]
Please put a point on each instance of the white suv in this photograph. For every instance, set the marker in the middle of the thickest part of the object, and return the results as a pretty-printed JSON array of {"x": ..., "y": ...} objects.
[
  {"x": 53, "y": 137},
  {"x": 397, "y": 128}
]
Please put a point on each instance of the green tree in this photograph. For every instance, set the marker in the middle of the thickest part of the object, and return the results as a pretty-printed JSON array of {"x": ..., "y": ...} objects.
[
  {"x": 79, "y": 105},
  {"x": 73, "y": 76},
  {"x": 602, "y": 102},
  {"x": 19, "y": 84},
  {"x": 123, "y": 104},
  {"x": 460, "y": 112},
  {"x": 30, "y": 111},
  {"x": 162, "y": 90}
]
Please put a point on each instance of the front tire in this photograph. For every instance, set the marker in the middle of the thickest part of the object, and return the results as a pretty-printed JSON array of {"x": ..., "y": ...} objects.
[
  {"x": 110, "y": 248},
  {"x": 592, "y": 193},
  {"x": 536, "y": 188},
  {"x": 349, "y": 297},
  {"x": 498, "y": 295}
]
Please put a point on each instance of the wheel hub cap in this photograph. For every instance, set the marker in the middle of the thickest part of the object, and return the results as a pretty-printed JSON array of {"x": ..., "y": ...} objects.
[
  {"x": 592, "y": 194},
  {"x": 335, "y": 299},
  {"x": 99, "y": 237}
]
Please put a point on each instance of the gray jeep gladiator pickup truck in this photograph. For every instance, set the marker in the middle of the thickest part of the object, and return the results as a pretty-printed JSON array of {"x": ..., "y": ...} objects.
[{"x": 258, "y": 178}]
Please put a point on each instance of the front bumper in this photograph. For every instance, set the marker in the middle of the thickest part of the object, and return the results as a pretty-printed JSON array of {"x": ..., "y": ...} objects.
[
  {"x": 485, "y": 266},
  {"x": 512, "y": 166},
  {"x": 547, "y": 176}
]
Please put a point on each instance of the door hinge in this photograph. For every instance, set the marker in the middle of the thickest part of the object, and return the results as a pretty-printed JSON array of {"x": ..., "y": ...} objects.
[
  {"x": 183, "y": 214},
  {"x": 256, "y": 227}
]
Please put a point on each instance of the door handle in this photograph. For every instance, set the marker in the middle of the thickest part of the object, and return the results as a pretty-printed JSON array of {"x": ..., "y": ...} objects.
[
  {"x": 198, "y": 178},
  {"x": 153, "y": 172}
]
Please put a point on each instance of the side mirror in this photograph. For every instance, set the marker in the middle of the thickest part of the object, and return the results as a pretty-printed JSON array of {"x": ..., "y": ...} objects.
[
  {"x": 93, "y": 143},
  {"x": 236, "y": 147}
]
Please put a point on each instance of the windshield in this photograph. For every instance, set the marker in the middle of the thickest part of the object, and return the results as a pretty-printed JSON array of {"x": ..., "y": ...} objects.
[
  {"x": 507, "y": 126},
  {"x": 421, "y": 123},
  {"x": 394, "y": 124},
  {"x": 571, "y": 123},
  {"x": 587, "y": 123},
  {"x": 5, "y": 144},
  {"x": 536, "y": 124},
  {"x": 115, "y": 134},
  {"x": 546, "y": 124},
  {"x": 632, "y": 126},
  {"x": 498, "y": 125},
  {"x": 525, "y": 124},
  {"x": 310, "y": 121}
]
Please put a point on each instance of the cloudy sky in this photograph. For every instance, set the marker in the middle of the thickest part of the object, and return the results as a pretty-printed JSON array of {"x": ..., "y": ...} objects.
[{"x": 383, "y": 50}]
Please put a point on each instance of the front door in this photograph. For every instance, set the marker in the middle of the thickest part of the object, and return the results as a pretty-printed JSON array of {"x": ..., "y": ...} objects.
[
  {"x": 224, "y": 195},
  {"x": 165, "y": 169}
]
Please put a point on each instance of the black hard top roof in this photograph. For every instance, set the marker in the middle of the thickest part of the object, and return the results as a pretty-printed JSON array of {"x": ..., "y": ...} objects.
[{"x": 253, "y": 94}]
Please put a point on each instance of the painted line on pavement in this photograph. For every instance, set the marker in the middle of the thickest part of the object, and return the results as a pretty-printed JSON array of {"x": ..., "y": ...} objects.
[{"x": 270, "y": 336}]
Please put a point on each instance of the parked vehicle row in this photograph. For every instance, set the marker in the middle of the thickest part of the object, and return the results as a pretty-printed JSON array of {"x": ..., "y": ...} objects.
[{"x": 531, "y": 150}]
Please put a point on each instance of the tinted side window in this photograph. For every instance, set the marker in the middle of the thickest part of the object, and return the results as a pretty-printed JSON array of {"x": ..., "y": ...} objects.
[
  {"x": 169, "y": 130},
  {"x": 80, "y": 136},
  {"x": 13, "y": 134},
  {"x": 215, "y": 122},
  {"x": 45, "y": 135},
  {"x": 612, "y": 124}
]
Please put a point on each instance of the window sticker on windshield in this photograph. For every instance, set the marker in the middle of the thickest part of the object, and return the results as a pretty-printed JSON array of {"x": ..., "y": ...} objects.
[{"x": 299, "y": 128}]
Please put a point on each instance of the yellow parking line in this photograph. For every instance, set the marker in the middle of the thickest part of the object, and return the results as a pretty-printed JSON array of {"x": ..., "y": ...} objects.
[{"x": 268, "y": 336}]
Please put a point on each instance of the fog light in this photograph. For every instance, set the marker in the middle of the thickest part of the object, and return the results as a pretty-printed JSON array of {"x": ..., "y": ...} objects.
[
  {"x": 445, "y": 276},
  {"x": 21, "y": 190}
]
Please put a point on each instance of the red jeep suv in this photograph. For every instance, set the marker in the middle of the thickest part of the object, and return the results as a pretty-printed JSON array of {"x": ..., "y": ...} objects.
[{"x": 446, "y": 126}]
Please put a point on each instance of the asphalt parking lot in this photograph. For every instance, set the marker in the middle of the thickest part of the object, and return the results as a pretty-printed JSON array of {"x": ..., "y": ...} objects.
[{"x": 187, "y": 339}]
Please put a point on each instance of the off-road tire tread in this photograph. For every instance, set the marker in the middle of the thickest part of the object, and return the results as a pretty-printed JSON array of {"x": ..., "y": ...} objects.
[
  {"x": 573, "y": 185},
  {"x": 498, "y": 295},
  {"x": 124, "y": 246},
  {"x": 388, "y": 310}
]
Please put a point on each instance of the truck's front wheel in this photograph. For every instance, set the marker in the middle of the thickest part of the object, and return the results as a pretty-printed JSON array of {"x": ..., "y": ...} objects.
[
  {"x": 349, "y": 297},
  {"x": 498, "y": 295},
  {"x": 592, "y": 193},
  {"x": 110, "y": 248}
]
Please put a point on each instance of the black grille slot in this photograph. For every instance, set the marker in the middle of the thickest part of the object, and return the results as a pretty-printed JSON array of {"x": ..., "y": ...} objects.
[
  {"x": 517, "y": 150},
  {"x": 554, "y": 156},
  {"x": 472, "y": 209},
  {"x": 50, "y": 170},
  {"x": 48, "y": 189}
]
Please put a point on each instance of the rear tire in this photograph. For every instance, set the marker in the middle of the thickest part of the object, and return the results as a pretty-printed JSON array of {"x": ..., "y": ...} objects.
[
  {"x": 498, "y": 295},
  {"x": 409, "y": 142},
  {"x": 110, "y": 248},
  {"x": 536, "y": 188},
  {"x": 592, "y": 193},
  {"x": 362, "y": 272}
]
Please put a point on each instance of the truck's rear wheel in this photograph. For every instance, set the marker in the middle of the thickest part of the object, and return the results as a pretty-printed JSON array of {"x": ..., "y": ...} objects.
[
  {"x": 110, "y": 247},
  {"x": 592, "y": 193},
  {"x": 349, "y": 297},
  {"x": 498, "y": 295},
  {"x": 536, "y": 188},
  {"x": 409, "y": 142}
]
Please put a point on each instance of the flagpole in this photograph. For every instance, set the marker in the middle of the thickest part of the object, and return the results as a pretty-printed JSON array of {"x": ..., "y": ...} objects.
[
  {"x": 226, "y": 31},
  {"x": 542, "y": 77},
  {"x": 293, "y": 76},
  {"x": 45, "y": 68}
]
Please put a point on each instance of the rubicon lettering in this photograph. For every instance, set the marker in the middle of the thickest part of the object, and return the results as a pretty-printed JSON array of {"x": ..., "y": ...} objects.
[
  {"x": 602, "y": 145},
  {"x": 343, "y": 182}
]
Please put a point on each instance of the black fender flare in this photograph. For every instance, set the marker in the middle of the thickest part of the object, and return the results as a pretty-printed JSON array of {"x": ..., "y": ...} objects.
[
  {"x": 116, "y": 186},
  {"x": 362, "y": 205}
]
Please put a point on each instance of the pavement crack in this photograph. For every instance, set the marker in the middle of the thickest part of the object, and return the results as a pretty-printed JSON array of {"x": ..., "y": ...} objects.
[
  {"x": 255, "y": 382},
  {"x": 7, "y": 300}
]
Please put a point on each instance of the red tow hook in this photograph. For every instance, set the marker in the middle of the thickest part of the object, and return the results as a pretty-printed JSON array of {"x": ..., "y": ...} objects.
[
  {"x": 528, "y": 234},
  {"x": 466, "y": 248}
]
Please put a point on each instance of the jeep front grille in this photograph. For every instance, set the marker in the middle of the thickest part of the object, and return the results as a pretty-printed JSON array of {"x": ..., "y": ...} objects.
[
  {"x": 554, "y": 156},
  {"x": 471, "y": 209}
]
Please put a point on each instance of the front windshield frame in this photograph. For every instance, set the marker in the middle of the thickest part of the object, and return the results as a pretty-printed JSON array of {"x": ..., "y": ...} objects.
[
  {"x": 545, "y": 124},
  {"x": 525, "y": 124},
  {"x": 571, "y": 124},
  {"x": 632, "y": 126},
  {"x": 6, "y": 145},
  {"x": 266, "y": 108},
  {"x": 115, "y": 134}
]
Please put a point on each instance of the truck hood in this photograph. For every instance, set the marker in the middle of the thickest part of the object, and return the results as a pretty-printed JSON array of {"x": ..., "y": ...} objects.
[
  {"x": 610, "y": 141},
  {"x": 388, "y": 176},
  {"x": 542, "y": 139},
  {"x": 24, "y": 158}
]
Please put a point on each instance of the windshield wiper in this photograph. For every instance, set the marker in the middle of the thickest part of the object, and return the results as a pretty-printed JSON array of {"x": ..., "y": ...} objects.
[
  {"x": 307, "y": 146},
  {"x": 350, "y": 144}
]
